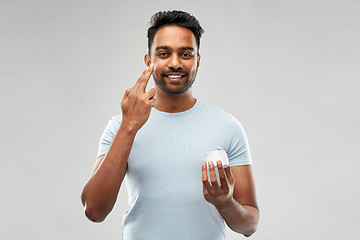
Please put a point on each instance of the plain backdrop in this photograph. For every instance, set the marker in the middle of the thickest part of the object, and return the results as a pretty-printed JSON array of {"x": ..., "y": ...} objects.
[{"x": 288, "y": 70}]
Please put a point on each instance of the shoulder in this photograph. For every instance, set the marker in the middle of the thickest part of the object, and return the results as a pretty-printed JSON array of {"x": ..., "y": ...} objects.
[
  {"x": 215, "y": 112},
  {"x": 116, "y": 119},
  {"x": 113, "y": 125},
  {"x": 221, "y": 118}
]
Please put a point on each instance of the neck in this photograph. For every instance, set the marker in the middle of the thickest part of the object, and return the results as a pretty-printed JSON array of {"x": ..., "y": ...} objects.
[{"x": 174, "y": 103}]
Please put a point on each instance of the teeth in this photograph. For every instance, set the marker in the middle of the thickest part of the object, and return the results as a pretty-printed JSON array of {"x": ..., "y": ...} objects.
[{"x": 174, "y": 76}]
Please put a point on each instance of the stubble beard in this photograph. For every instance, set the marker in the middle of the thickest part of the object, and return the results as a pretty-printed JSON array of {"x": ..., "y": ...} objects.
[{"x": 162, "y": 85}]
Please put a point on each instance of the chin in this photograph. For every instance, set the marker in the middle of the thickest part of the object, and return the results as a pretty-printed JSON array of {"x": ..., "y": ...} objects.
[{"x": 175, "y": 91}]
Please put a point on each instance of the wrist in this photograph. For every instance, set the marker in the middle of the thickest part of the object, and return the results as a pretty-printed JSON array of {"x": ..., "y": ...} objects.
[
  {"x": 227, "y": 205},
  {"x": 128, "y": 128}
]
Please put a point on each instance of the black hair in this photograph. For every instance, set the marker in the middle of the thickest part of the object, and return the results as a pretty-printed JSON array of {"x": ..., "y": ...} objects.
[{"x": 175, "y": 17}]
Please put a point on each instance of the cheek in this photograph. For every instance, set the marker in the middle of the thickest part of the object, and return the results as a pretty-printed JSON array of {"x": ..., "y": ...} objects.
[
  {"x": 158, "y": 71},
  {"x": 159, "y": 65},
  {"x": 193, "y": 68}
]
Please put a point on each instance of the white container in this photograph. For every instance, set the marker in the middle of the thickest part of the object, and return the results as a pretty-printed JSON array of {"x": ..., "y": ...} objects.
[{"x": 217, "y": 155}]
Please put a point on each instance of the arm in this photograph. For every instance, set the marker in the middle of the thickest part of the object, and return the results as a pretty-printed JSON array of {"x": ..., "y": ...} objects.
[
  {"x": 100, "y": 192},
  {"x": 235, "y": 197}
]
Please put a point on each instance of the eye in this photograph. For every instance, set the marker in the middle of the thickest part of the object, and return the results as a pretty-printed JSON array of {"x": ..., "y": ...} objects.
[
  {"x": 187, "y": 55},
  {"x": 162, "y": 54}
]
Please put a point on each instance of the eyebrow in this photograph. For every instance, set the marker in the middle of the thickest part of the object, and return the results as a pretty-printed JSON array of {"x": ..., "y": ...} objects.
[
  {"x": 167, "y": 48},
  {"x": 187, "y": 48}
]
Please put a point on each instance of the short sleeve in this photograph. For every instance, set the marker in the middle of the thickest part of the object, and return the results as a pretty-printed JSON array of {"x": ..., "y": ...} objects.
[
  {"x": 108, "y": 135},
  {"x": 238, "y": 150}
]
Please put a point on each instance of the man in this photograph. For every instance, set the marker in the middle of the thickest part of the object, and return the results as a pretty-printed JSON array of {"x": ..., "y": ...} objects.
[{"x": 159, "y": 142}]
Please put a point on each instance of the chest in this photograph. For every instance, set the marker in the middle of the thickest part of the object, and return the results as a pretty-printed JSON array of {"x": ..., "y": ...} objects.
[{"x": 167, "y": 151}]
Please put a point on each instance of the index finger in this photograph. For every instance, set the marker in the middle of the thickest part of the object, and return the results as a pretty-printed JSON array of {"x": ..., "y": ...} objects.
[{"x": 143, "y": 80}]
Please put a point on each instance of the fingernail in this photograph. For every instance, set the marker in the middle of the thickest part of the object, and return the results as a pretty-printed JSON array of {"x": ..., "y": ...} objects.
[
  {"x": 204, "y": 164},
  {"x": 211, "y": 164}
]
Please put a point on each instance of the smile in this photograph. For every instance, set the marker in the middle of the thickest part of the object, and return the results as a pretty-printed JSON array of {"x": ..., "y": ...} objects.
[{"x": 175, "y": 76}]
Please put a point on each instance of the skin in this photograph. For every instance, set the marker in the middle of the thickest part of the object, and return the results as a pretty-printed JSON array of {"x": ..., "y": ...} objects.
[
  {"x": 174, "y": 52},
  {"x": 100, "y": 192},
  {"x": 234, "y": 198},
  {"x": 174, "y": 49}
]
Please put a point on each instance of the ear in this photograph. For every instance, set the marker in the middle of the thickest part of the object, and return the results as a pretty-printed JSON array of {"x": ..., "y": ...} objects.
[
  {"x": 147, "y": 60},
  {"x": 198, "y": 60}
]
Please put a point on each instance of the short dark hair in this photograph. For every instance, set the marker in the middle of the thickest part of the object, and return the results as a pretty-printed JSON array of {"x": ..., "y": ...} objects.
[{"x": 175, "y": 17}]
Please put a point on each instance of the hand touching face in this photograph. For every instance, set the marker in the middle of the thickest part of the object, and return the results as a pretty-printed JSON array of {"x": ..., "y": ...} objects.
[{"x": 137, "y": 103}]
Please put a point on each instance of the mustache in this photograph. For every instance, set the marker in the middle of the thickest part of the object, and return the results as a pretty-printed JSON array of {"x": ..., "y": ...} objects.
[{"x": 174, "y": 71}]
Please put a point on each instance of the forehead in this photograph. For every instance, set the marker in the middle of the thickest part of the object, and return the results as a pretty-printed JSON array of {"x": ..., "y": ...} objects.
[{"x": 174, "y": 37}]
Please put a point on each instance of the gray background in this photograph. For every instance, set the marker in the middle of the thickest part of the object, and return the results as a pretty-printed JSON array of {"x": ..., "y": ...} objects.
[{"x": 288, "y": 70}]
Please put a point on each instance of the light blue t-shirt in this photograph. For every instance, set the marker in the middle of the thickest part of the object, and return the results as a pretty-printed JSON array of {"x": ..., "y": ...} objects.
[{"x": 163, "y": 178}]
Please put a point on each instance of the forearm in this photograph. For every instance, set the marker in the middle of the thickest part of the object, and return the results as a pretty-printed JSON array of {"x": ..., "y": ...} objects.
[
  {"x": 100, "y": 192},
  {"x": 240, "y": 218}
]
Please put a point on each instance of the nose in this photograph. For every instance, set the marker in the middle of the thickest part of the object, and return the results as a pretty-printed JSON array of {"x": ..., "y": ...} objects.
[{"x": 175, "y": 62}]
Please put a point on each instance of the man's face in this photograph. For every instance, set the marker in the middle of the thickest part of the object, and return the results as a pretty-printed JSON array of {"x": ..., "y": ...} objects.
[{"x": 174, "y": 52}]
